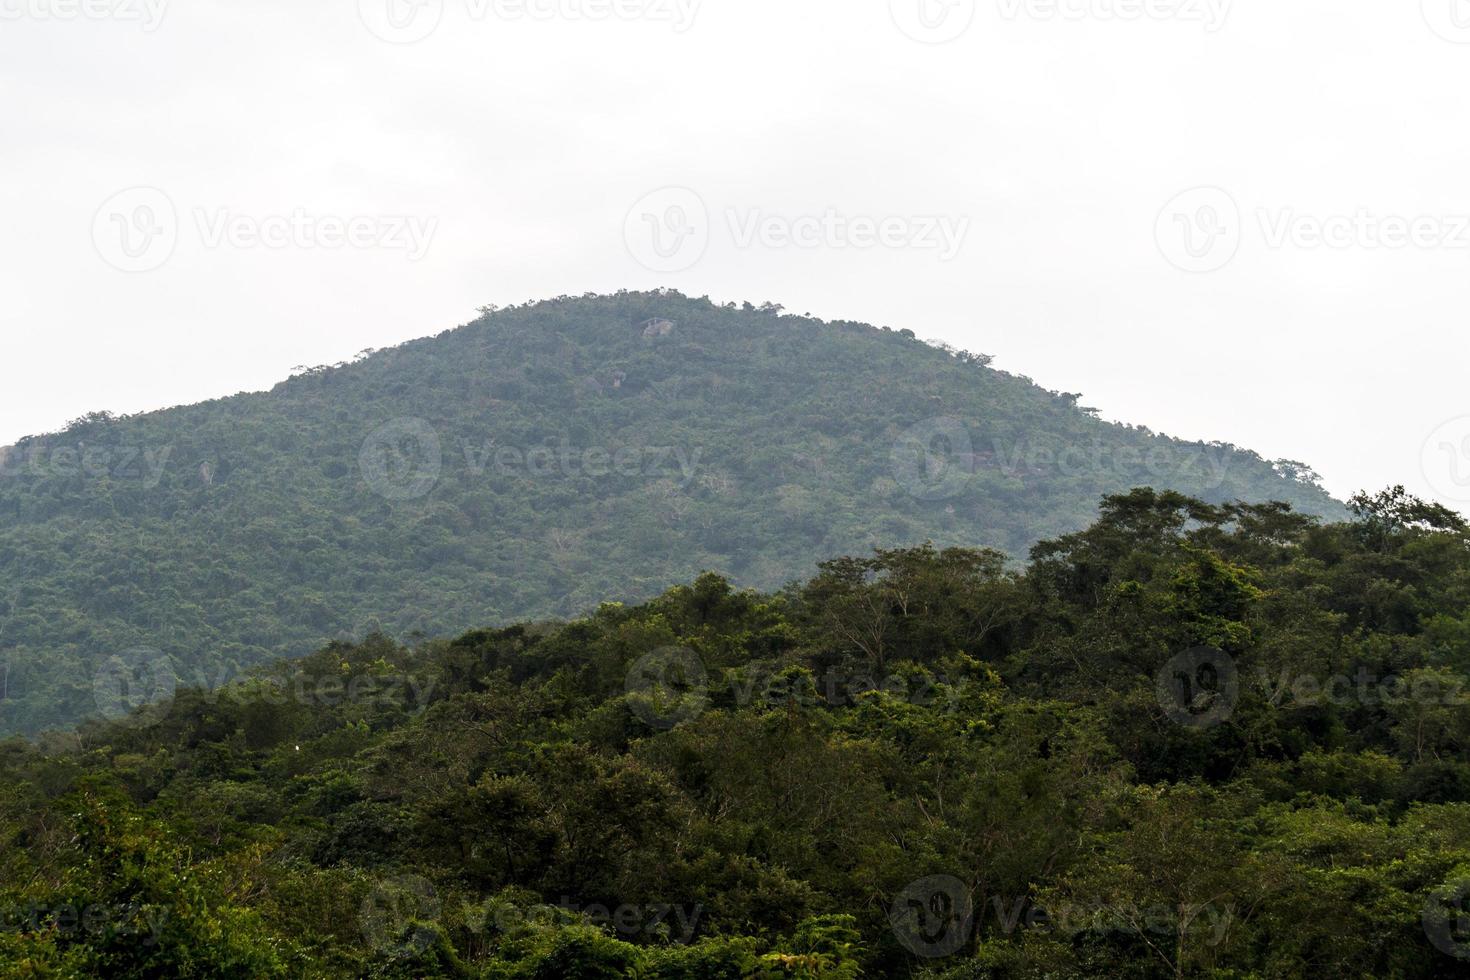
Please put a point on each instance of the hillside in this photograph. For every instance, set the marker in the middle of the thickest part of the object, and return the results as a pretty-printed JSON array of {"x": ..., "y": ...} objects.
[
  {"x": 1187, "y": 742},
  {"x": 532, "y": 464}
]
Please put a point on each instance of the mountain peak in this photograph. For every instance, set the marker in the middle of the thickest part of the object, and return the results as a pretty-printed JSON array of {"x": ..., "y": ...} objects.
[{"x": 536, "y": 462}]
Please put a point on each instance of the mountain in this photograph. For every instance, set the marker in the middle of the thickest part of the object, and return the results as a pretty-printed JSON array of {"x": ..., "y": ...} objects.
[
  {"x": 1190, "y": 741},
  {"x": 531, "y": 464}
]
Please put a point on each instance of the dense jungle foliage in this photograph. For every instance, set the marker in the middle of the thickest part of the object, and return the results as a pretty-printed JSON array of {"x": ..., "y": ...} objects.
[
  {"x": 1192, "y": 740},
  {"x": 534, "y": 463}
]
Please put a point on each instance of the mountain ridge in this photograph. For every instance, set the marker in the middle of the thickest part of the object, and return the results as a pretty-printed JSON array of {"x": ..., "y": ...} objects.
[{"x": 533, "y": 463}]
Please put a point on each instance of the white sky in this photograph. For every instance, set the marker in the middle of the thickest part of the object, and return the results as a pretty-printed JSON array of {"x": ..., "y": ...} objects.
[{"x": 524, "y": 143}]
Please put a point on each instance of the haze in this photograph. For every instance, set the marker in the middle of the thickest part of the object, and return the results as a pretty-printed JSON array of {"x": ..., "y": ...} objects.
[{"x": 1237, "y": 221}]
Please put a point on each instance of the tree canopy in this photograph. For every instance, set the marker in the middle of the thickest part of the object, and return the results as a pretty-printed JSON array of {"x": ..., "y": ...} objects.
[{"x": 1191, "y": 739}]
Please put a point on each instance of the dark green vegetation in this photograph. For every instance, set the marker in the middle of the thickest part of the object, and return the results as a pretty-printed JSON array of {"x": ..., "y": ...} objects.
[
  {"x": 237, "y": 531},
  {"x": 703, "y": 786}
]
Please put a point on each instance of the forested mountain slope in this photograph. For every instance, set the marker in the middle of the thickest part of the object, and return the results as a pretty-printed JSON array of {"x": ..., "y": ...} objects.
[
  {"x": 1187, "y": 742},
  {"x": 531, "y": 464}
]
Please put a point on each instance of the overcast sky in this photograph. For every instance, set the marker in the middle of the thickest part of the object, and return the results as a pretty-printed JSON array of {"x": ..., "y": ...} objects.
[{"x": 1244, "y": 221}]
